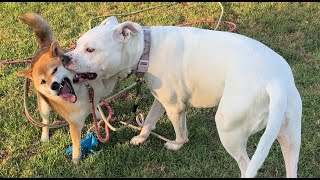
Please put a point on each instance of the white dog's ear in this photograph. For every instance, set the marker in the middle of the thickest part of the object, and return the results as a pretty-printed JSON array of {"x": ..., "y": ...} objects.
[
  {"x": 110, "y": 21},
  {"x": 125, "y": 30}
]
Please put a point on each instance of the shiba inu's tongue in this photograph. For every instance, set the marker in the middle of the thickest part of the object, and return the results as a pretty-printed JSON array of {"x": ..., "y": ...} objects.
[
  {"x": 66, "y": 92},
  {"x": 68, "y": 97}
]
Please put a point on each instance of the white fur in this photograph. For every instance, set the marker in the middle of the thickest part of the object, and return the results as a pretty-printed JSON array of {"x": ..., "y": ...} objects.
[{"x": 251, "y": 84}]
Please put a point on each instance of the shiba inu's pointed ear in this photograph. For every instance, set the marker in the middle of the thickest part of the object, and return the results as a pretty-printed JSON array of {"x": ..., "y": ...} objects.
[
  {"x": 26, "y": 73},
  {"x": 110, "y": 21},
  {"x": 55, "y": 49},
  {"x": 125, "y": 30}
]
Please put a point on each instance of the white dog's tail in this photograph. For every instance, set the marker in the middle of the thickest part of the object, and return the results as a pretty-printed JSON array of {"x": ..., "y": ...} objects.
[{"x": 277, "y": 92}]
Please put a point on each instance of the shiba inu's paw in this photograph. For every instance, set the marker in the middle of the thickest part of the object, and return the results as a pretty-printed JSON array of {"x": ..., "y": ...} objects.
[
  {"x": 44, "y": 138},
  {"x": 76, "y": 161}
]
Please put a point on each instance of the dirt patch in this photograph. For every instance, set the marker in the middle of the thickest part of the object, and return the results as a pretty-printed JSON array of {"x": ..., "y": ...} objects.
[
  {"x": 4, "y": 154},
  {"x": 130, "y": 96},
  {"x": 155, "y": 168},
  {"x": 307, "y": 55},
  {"x": 28, "y": 153}
]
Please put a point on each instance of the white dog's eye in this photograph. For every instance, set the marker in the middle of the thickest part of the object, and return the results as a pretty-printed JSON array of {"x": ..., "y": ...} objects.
[{"x": 90, "y": 50}]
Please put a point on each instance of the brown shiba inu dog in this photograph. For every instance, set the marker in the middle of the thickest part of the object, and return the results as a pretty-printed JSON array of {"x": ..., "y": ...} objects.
[{"x": 59, "y": 89}]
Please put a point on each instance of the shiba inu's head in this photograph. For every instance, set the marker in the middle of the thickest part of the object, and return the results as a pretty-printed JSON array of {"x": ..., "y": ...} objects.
[{"x": 49, "y": 76}]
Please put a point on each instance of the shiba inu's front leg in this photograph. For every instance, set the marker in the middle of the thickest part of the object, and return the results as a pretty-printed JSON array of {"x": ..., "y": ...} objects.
[
  {"x": 75, "y": 132},
  {"x": 44, "y": 109}
]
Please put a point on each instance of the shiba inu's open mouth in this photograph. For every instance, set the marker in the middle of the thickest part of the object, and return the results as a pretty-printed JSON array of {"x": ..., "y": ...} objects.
[
  {"x": 82, "y": 77},
  {"x": 66, "y": 91}
]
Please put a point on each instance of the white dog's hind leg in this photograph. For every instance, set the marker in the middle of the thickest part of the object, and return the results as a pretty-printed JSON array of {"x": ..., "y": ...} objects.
[
  {"x": 155, "y": 113},
  {"x": 277, "y": 92},
  {"x": 178, "y": 119},
  {"x": 289, "y": 139},
  {"x": 290, "y": 135},
  {"x": 44, "y": 110},
  {"x": 233, "y": 139}
]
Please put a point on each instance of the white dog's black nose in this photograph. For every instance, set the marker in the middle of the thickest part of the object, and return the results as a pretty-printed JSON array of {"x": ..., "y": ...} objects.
[
  {"x": 65, "y": 60},
  {"x": 55, "y": 86}
]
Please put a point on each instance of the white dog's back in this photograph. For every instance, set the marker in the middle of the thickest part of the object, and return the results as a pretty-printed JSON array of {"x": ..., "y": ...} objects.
[{"x": 192, "y": 54}]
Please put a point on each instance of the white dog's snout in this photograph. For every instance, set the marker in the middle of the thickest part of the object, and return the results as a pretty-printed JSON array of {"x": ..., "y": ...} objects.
[{"x": 70, "y": 54}]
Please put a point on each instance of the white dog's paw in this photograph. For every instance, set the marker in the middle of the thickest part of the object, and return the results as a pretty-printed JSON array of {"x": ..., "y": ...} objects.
[
  {"x": 138, "y": 140},
  {"x": 173, "y": 146}
]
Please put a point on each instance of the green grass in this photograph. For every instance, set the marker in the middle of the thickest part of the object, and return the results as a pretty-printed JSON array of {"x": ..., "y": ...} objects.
[{"x": 291, "y": 29}]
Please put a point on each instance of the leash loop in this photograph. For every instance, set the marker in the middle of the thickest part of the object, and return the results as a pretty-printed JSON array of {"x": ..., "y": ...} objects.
[
  {"x": 95, "y": 121},
  {"x": 137, "y": 84}
]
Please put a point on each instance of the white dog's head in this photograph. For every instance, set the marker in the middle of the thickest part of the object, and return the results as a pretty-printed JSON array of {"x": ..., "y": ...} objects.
[{"x": 107, "y": 49}]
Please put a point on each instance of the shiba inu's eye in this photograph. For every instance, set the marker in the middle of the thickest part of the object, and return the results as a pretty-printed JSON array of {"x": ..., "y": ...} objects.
[
  {"x": 89, "y": 50},
  {"x": 55, "y": 70},
  {"x": 43, "y": 81}
]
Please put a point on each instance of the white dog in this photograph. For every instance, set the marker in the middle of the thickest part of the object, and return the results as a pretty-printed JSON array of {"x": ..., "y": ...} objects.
[{"x": 251, "y": 84}]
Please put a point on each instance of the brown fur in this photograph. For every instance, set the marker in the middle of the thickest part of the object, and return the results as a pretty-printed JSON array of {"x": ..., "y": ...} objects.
[{"x": 45, "y": 59}]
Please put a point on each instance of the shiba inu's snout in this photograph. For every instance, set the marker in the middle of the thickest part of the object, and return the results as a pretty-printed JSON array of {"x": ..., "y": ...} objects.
[
  {"x": 55, "y": 86},
  {"x": 65, "y": 90}
]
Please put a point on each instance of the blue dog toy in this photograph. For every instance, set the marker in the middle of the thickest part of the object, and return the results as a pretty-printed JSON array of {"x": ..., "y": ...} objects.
[{"x": 86, "y": 144}]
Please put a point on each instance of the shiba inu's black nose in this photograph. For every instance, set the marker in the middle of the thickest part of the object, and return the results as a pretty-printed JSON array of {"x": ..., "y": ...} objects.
[
  {"x": 55, "y": 86},
  {"x": 65, "y": 59}
]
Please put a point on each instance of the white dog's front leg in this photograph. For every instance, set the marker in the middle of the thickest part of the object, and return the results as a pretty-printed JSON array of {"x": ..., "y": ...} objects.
[
  {"x": 155, "y": 113},
  {"x": 98, "y": 115},
  {"x": 179, "y": 122}
]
